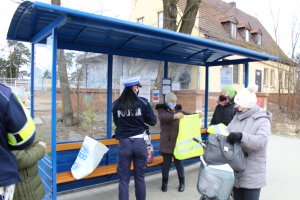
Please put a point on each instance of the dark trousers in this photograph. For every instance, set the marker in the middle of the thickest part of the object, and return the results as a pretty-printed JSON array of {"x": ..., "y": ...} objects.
[
  {"x": 135, "y": 150},
  {"x": 246, "y": 194},
  {"x": 167, "y": 164}
]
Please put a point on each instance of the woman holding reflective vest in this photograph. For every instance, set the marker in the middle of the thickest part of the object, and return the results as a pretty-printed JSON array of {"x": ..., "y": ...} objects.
[
  {"x": 169, "y": 114},
  {"x": 131, "y": 113}
]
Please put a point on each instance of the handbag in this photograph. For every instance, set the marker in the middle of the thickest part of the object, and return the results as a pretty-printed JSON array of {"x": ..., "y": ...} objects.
[
  {"x": 218, "y": 151},
  {"x": 150, "y": 151}
]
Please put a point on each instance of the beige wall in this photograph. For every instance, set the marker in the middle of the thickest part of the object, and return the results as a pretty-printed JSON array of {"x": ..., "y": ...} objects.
[{"x": 148, "y": 9}]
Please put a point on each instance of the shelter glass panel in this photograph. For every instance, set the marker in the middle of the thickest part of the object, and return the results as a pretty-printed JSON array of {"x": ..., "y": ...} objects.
[
  {"x": 42, "y": 93},
  {"x": 81, "y": 95},
  {"x": 150, "y": 73},
  {"x": 186, "y": 85}
]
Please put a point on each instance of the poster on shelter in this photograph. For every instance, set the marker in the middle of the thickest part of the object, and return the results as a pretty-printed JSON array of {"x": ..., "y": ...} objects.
[{"x": 226, "y": 77}]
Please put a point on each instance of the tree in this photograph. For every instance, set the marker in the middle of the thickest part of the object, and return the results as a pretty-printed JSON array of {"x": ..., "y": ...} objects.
[
  {"x": 63, "y": 61},
  {"x": 18, "y": 56},
  {"x": 184, "y": 25},
  {"x": 3, "y": 65}
]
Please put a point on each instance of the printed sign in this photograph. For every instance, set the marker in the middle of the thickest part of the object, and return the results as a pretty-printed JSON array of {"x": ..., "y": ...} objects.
[
  {"x": 166, "y": 85},
  {"x": 155, "y": 96},
  {"x": 226, "y": 77}
]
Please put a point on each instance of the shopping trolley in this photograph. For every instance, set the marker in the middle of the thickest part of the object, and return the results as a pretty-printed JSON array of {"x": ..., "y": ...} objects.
[{"x": 215, "y": 182}]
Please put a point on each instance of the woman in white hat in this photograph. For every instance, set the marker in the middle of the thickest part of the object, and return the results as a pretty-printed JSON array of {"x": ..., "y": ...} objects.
[
  {"x": 251, "y": 126},
  {"x": 131, "y": 113}
]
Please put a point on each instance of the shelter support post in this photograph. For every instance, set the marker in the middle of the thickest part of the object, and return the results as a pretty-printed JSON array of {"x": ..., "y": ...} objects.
[
  {"x": 53, "y": 114},
  {"x": 166, "y": 72},
  {"x": 246, "y": 74},
  {"x": 109, "y": 95},
  {"x": 206, "y": 96},
  {"x": 109, "y": 101},
  {"x": 166, "y": 69},
  {"x": 32, "y": 81}
]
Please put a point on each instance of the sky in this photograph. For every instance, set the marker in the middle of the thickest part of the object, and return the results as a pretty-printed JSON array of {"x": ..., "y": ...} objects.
[{"x": 283, "y": 13}]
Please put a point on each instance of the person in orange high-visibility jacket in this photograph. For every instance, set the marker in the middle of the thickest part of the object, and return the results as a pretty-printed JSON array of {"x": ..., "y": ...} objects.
[{"x": 17, "y": 132}]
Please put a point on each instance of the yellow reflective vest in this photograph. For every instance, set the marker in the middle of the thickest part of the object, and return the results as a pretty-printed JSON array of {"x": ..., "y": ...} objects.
[
  {"x": 189, "y": 128},
  {"x": 218, "y": 129}
]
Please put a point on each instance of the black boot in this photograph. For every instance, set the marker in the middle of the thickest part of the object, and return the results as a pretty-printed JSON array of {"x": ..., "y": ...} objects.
[
  {"x": 164, "y": 185},
  {"x": 181, "y": 184}
]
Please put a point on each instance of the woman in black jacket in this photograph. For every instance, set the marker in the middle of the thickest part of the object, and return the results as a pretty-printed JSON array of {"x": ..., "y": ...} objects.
[{"x": 224, "y": 111}]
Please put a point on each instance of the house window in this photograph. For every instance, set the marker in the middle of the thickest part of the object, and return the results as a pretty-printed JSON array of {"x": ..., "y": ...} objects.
[
  {"x": 247, "y": 35},
  {"x": 286, "y": 80},
  {"x": 266, "y": 76},
  {"x": 272, "y": 78},
  {"x": 233, "y": 30},
  {"x": 140, "y": 20},
  {"x": 235, "y": 74},
  {"x": 280, "y": 77},
  {"x": 160, "y": 18},
  {"x": 258, "y": 39}
]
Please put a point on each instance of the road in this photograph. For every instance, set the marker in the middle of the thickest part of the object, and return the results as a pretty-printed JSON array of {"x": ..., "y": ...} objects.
[{"x": 283, "y": 178}]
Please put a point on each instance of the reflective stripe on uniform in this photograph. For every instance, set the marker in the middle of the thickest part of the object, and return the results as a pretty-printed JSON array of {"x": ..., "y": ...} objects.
[{"x": 25, "y": 133}]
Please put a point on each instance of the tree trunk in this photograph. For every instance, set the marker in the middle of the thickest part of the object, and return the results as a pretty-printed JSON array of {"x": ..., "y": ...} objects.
[
  {"x": 189, "y": 16},
  {"x": 67, "y": 117},
  {"x": 65, "y": 89},
  {"x": 170, "y": 22},
  {"x": 170, "y": 14}
]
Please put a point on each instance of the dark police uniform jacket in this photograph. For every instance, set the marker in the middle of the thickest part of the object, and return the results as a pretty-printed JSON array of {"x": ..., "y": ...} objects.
[
  {"x": 12, "y": 120},
  {"x": 133, "y": 123}
]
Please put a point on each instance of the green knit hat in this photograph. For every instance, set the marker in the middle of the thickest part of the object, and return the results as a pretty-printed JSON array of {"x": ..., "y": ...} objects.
[{"x": 230, "y": 91}]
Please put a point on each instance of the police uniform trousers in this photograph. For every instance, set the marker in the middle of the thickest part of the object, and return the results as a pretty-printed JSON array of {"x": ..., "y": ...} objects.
[{"x": 132, "y": 149}]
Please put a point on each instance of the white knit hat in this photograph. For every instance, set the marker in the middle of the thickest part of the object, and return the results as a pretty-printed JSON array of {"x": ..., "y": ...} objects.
[
  {"x": 246, "y": 97},
  {"x": 170, "y": 97}
]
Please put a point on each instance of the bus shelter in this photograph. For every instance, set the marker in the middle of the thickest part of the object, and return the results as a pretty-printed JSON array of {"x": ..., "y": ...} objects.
[{"x": 105, "y": 48}]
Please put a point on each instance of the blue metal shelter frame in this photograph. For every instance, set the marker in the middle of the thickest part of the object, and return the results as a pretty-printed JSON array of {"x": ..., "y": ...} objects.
[{"x": 70, "y": 29}]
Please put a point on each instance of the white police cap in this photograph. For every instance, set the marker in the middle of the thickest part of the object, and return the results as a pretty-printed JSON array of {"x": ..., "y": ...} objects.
[{"x": 132, "y": 81}]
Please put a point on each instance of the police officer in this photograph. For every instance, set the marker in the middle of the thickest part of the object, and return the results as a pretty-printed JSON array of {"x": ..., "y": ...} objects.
[
  {"x": 130, "y": 113},
  {"x": 17, "y": 131}
]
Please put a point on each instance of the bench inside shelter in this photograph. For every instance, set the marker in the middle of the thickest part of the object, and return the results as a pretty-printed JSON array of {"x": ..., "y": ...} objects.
[{"x": 107, "y": 169}]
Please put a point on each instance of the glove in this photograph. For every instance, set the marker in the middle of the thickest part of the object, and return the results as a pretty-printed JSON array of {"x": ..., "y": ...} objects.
[
  {"x": 9, "y": 192},
  {"x": 234, "y": 137}
]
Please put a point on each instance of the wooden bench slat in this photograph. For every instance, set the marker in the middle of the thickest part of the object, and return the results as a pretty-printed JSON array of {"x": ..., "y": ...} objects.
[
  {"x": 64, "y": 177},
  {"x": 107, "y": 142}
]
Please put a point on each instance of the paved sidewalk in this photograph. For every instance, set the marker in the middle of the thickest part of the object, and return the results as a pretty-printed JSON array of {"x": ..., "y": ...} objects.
[{"x": 283, "y": 178}]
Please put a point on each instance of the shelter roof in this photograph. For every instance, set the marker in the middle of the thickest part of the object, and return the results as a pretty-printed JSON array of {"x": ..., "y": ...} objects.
[{"x": 77, "y": 30}]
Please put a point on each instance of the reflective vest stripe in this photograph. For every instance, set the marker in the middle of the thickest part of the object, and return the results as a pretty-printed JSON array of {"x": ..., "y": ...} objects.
[
  {"x": 196, "y": 146},
  {"x": 26, "y": 132},
  {"x": 188, "y": 141}
]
